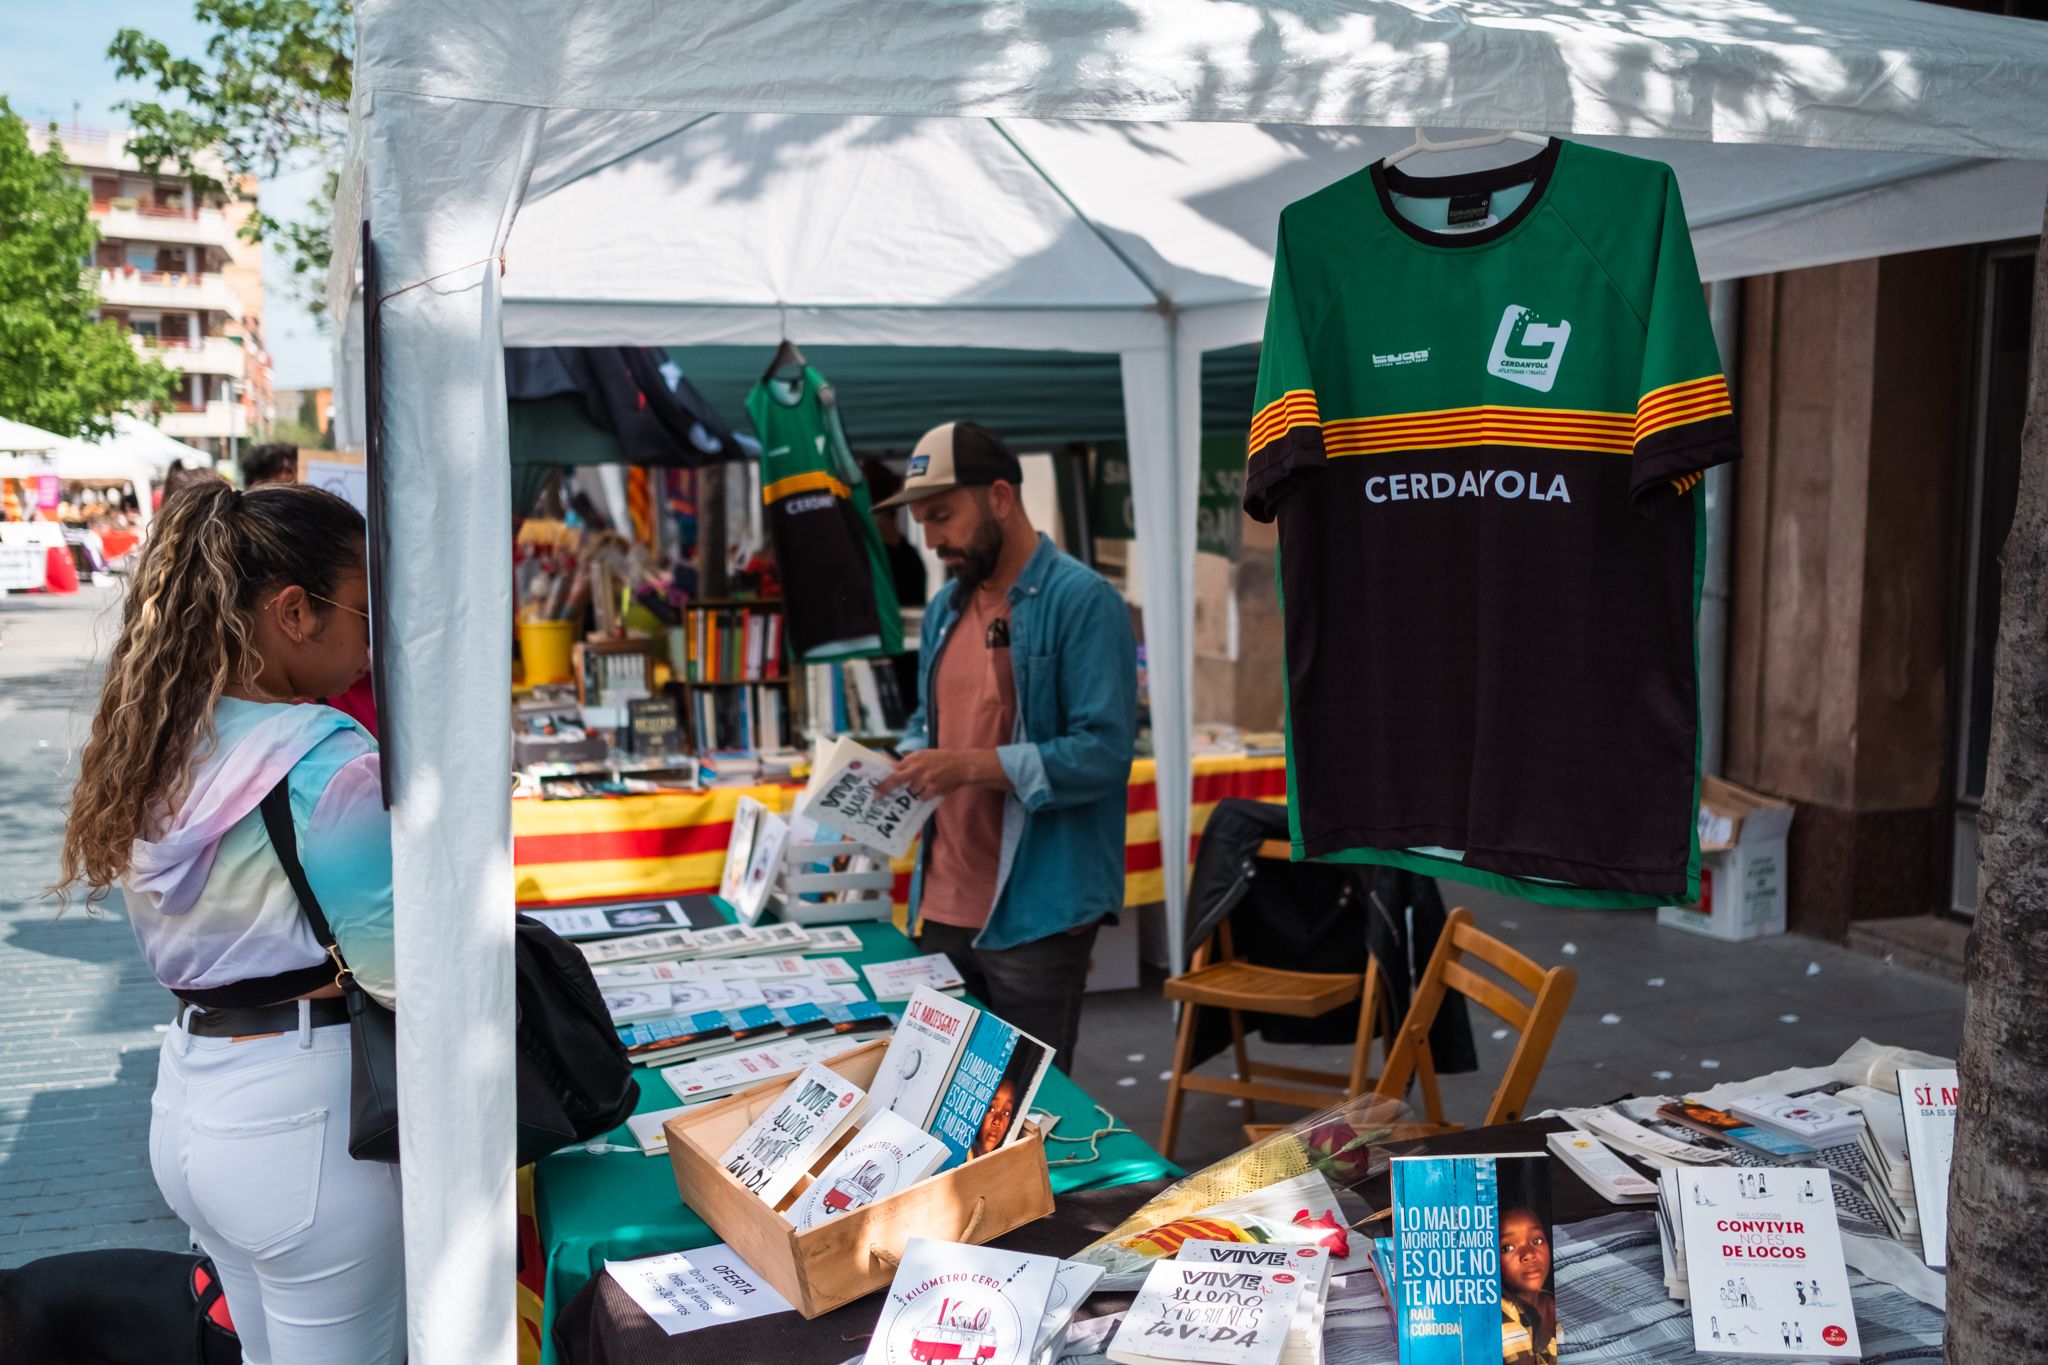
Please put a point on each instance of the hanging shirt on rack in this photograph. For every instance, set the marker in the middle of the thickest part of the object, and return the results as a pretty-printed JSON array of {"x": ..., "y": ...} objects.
[
  {"x": 1484, "y": 406},
  {"x": 837, "y": 594}
]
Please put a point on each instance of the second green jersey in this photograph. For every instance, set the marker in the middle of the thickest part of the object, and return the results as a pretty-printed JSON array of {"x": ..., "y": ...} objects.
[{"x": 1484, "y": 406}]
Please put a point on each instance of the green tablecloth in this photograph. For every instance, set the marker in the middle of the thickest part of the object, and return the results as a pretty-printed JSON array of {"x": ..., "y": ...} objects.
[{"x": 595, "y": 1207}]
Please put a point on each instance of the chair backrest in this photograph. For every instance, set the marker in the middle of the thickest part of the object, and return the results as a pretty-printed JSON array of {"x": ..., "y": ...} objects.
[{"x": 1451, "y": 968}]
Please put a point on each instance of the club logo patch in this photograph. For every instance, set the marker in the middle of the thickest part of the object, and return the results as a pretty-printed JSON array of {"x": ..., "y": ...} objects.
[
  {"x": 1528, "y": 349},
  {"x": 918, "y": 464}
]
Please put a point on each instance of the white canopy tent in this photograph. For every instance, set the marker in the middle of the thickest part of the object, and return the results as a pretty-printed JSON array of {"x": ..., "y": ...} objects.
[{"x": 1148, "y": 239}]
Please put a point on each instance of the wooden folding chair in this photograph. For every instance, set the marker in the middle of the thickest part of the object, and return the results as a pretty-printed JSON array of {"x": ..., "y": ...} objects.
[
  {"x": 1458, "y": 949},
  {"x": 1238, "y": 986}
]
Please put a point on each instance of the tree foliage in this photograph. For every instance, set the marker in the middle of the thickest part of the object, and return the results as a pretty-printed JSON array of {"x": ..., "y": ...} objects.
[
  {"x": 270, "y": 93},
  {"x": 59, "y": 369}
]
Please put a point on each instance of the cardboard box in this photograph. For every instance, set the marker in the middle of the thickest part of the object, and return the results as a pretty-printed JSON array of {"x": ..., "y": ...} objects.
[
  {"x": 1743, "y": 867},
  {"x": 856, "y": 1253}
]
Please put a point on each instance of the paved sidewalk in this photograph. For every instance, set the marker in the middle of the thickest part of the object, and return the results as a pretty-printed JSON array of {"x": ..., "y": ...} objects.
[{"x": 78, "y": 1010}]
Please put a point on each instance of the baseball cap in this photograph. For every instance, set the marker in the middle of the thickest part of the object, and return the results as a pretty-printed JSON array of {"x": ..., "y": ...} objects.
[{"x": 956, "y": 455}]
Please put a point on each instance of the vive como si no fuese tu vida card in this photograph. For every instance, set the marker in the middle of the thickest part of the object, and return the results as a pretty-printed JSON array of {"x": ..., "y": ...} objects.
[
  {"x": 1472, "y": 1266},
  {"x": 1763, "y": 1263}
]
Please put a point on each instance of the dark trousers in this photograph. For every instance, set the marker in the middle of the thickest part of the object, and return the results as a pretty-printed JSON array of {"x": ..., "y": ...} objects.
[{"x": 1034, "y": 986}]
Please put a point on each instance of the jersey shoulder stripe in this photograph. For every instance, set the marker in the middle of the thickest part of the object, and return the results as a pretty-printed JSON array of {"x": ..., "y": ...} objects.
[{"x": 810, "y": 481}]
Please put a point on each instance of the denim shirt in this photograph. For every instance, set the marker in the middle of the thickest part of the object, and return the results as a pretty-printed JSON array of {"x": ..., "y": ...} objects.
[{"x": 1069, "y": 759}]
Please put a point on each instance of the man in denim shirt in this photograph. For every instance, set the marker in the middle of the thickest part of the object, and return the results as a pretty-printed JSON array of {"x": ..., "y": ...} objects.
[{"x": 1027, "y": 707}]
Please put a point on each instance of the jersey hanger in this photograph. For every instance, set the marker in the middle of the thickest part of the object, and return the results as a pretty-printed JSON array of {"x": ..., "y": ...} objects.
[
  {"x": 1423, "y": 143},
  {"x": 787, "y": 357}
]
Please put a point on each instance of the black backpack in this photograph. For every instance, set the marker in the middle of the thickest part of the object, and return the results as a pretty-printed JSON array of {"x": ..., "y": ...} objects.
[{"x": 574, "y": 1080}]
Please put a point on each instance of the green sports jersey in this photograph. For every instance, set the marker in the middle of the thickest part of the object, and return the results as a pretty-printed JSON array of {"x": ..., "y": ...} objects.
[
  {"x": 838, "y": 597},
  {"x": 1484, "y": 404}
]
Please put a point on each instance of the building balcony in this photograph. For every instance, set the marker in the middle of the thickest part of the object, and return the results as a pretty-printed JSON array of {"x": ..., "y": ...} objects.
[
  {"x": 208, "y": 355},
  {"x": 131, "y": 220},
  {"x": 217, "y": 420},
  {"x": 122, "y": 287}
]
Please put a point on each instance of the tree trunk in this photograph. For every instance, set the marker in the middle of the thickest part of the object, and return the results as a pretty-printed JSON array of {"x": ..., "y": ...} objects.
[{"x": 1999, "y": 1188}]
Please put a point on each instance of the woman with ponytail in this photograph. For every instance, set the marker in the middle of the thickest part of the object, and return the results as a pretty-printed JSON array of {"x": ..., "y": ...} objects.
[{"x": 243, "y": 604}]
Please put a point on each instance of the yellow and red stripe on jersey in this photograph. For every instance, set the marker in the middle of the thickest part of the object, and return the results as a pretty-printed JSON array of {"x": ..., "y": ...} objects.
[
  {"x": 1676, "y": 405},
  {"x": 1546, "y": 428},
  {"x": 1295, "y": 408},
  {"x": 813, "y": 481}
]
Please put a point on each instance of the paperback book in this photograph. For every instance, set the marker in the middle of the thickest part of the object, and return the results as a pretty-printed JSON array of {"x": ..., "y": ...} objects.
[
  {"x": 759, "y": 880},
  {"x": 629, "y": 917},
  {"x": 954, "y": 1302},
  {"x": 920, "y": 1059},
  {"x": 707, "y": 1078},
  {"x": 1719, "y": 1123},
  {"x": 899, "y": 979},
  {"x": 777, "y": 1149},
  {"x": 1763, "y": 1259},
  {"x": 1472, "y": 1267},
  {"x": 1209, "y": 1314},
  {"x": 993, "y": 1084},
  {"x": 887, "y": 1156},
  {"x": 831, "y": 938},
  {"x": 844, "y": 797},
  {"x": 649, "y": 1129},
  {"x": 1310, "y": 1263},
  {"x": 1929, "y": 1098},
  {"x": 1819, "y": 1121},
  {"x": 739, "y": 846},
  {"x": 1595, "y": 1163}
]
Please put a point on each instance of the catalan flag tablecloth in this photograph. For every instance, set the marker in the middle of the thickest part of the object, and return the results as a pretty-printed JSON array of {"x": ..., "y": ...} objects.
[{"x": 673, "y": 844}]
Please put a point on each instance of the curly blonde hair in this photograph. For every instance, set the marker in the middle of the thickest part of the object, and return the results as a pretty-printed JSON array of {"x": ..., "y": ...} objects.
[{"x": 186, "y": 637}]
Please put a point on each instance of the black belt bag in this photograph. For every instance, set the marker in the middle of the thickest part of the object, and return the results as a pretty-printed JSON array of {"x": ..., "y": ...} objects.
[{"x": 574, "y": 1079}]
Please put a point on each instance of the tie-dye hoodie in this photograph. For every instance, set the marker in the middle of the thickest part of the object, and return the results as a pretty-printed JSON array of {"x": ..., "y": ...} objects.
[{"x": 208, "y": 899}]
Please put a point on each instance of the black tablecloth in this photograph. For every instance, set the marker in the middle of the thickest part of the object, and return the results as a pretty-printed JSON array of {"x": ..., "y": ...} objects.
[{"x": 602, "y": 1326}]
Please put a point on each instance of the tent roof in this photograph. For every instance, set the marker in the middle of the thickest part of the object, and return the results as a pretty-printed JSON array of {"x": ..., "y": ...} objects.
[
  {"x": 20, "y": 437},
  {"x": 136, "y": 441},
  {"x": 853, "y": 230}
]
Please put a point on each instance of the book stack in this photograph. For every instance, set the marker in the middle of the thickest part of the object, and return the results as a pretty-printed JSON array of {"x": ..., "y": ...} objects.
[
  {"x": 977, "y": 1305},
  {"x": 1647, "y": 1145},
  {"x": 905, "y": 977},
  {"x": 1887, "y": 1163},
  {"x": 1594, "y": 1162},
  {"x": 1724, "y": 1126},
  {"x": 1820, "y": 1121},
  {"x": 721, "y": 941},
  {"x": 857, "y": 697},
  {"x": 730, "y": 644},
  {"x": 668, "y": 1012}
]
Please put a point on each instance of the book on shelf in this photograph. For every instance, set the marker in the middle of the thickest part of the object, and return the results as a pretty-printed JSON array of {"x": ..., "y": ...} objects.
[
  {"x": 1705, "y": 1119},
  {"x": 1820, "y": 1121},
  {"x": 749, "y": 719},
  {"x": 919, "y": 1062},
  {"x": 992, "y": 1086},
  {"x": 776, "y": 1150},
  {"x": 1762, "y": 1260},
  {"x": 949, "y": 1301},
  {"x": 1209, "y": 1314},
  {"x": 905, "y": 976},
  {"x": 731, "y": 644},
  {"x": 887, "y": 1156},
  {"x": 1928, "y": 1099},
  {"x": 855, "y": 697},
  {"x": 1472, "y": 1265}
]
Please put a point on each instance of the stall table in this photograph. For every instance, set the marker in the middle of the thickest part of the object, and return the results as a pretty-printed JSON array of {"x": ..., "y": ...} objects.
[
  {"x": 592, "y": 1207},
  {"x": 673, "y": 843}
]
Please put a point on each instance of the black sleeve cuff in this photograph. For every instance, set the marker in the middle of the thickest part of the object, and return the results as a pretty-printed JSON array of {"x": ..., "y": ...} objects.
[
  {"x": 1293, "y": 458},
  {"x": 1668, "y": 464}
]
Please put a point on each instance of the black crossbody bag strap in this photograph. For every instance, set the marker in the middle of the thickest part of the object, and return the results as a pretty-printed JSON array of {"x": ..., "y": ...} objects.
[
  {"x": 284, "y": 839},
  {"x": 373, "y": 1029}
]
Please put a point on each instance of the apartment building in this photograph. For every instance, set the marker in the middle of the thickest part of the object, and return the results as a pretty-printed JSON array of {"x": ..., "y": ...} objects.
[{"x": 174, "y": 271}]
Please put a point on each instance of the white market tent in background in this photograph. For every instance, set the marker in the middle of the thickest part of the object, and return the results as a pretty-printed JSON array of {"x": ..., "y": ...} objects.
[
  {"x": 876, "y": 172},
  {"x": 19, "y": 438}
]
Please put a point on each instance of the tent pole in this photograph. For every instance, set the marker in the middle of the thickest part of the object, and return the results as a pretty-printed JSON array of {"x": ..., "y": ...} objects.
[{"x": 1724, "y": 307}]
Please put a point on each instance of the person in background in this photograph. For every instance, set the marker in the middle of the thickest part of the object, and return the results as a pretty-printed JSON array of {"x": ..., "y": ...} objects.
[
  {"x": 241, "y": 603},
  {"x": 1027, "y": 712},
  {"x": 180, "y": 477},
  {"x": 270, "y": 464}
]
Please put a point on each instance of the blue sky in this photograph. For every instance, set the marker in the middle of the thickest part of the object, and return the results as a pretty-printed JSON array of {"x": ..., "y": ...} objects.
[{"x": 53, "y": 56}]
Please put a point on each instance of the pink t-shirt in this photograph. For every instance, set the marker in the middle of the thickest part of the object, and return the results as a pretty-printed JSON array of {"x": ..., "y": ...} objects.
[{"x": 975, "y": 696}]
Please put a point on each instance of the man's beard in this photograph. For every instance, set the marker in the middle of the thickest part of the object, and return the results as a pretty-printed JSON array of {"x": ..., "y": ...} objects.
[{"x": 977, "y": 562}]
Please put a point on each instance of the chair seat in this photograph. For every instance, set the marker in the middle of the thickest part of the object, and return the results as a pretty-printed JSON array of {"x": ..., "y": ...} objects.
[{"x": 1238, "y": 985}]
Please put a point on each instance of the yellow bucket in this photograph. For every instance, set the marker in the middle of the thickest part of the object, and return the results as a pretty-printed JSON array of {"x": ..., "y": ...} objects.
[{"x": 544, "y": 647}]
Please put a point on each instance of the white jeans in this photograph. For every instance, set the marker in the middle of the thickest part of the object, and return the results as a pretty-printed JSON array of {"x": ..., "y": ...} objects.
[{"x": 249, "y": 1144}]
